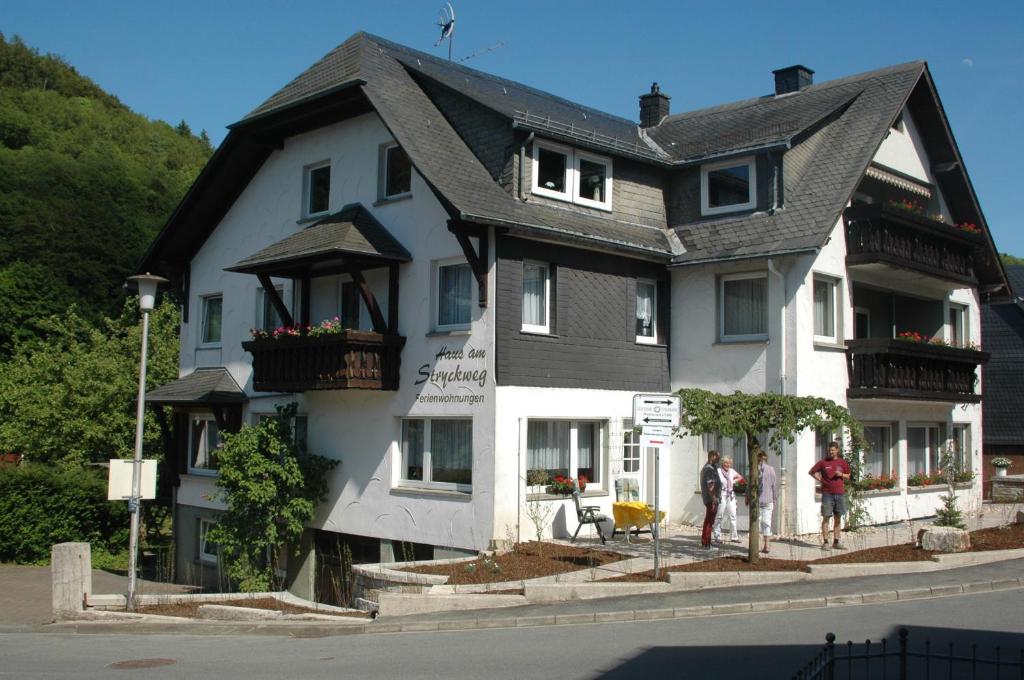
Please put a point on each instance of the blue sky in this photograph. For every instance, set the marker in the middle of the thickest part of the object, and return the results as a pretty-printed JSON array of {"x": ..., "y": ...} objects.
[{"x": 211, "y": 62}]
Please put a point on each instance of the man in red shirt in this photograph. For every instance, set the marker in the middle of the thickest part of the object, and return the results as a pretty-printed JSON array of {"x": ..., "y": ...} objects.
[{"x": 832, "y": 472}]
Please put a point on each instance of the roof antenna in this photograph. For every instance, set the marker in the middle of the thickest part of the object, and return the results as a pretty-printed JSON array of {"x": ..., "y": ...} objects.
[{"x": 446, "y": 20}]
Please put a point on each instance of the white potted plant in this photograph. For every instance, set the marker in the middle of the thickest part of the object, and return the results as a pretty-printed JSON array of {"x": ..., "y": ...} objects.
[{"x": 1001, "y": 464}]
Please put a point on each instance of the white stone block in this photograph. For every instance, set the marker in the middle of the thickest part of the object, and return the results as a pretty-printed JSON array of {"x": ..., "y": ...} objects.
[{"x": 946, "y": 540}]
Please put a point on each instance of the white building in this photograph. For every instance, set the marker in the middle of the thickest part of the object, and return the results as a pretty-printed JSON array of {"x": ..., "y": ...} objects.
[{"x": 514, "y": 268}]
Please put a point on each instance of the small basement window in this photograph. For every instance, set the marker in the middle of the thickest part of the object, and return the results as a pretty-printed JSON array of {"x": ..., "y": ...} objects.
[{"x": 728, "y": 186}]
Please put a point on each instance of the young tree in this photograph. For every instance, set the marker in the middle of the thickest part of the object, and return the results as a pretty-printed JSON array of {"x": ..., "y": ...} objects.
[
  {"x": 271, "y": 486},
  {"x": 783, "y": 416}
]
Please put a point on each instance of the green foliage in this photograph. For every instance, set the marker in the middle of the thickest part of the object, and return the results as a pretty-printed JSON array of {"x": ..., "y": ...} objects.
[
  {"x": 41, "y": 505},
  {"x": 71, "y": 398},
  {"x": 1010, "y": 260},
  {"x": 84, "y": 185},
  {"x": 271, "y": 488},
  {"x": 950, "y": 514},
  {"x": 783, "y": 417}
]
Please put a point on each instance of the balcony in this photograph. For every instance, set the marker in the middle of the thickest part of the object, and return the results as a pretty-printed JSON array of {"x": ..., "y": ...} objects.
[
  {"x": 881, "y": 368},
  {"x": 879, "y": 235},
  {"x": 347, "y": 360}
]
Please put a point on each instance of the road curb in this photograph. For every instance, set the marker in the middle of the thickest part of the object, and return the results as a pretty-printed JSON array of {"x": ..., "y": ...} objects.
[{"x": 300, "y": 629}]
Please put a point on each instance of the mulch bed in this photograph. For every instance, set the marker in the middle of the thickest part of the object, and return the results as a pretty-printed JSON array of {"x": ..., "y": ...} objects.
[
  {"x": 995, "y": 538},
  {"x": 525, "y": 561},
  {"x": 190, "y": 610}
]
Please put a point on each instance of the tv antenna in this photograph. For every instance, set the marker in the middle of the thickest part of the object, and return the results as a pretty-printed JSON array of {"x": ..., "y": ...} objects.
[{"x": 446, "y": 21}]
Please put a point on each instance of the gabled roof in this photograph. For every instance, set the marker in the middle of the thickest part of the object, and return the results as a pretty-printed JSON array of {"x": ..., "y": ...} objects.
[
  {"x": 202, "y": 386},
  {"x": 352, "y": 231},
  {"x": 1002, "y": 333}
]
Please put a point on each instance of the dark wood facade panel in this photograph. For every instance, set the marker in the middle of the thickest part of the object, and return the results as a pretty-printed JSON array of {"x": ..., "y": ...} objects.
[{"x": 593, "y": 341}]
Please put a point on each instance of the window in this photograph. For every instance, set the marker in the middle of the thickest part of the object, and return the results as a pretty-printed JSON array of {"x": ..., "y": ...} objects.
[
  {"x": 878, "y": 458},
  {"x": 733, "y": 447},
  {"x": 958, "y": 334},
  {"x": 744, "y": 302},
  {"x": 204, "y": 441},
  {"x": 646, "y": 312},
  {"x": 437, "y": 452},
  {"x": 397, "y": 172},
  {"x": 536, "y": 297},
  {"x": 351, "y": 305},
  {"x": 207, "y": 549},
  {"x": 961, "y": 443},
  {"x": 454, "y": 296},
  {"x": 728, "y": 186},
  {"x": 861, "y": 323},
  {"x": 212, "y": 309},
  {"x": 563, "y": 447},
  {"x": 825, "y": 310},
  {"x": 317, "y": 189},
  {"x": 630, "y": 448},
  {"x": 572, "y": 175},
  {"x": 267, "y": 317},
  {"x": 923, "y": 442}
]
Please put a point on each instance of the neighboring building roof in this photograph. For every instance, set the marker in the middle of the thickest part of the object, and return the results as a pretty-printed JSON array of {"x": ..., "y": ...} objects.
[
  {"x": 202, "y": 386},
  {"x": 1002, "y": 333},
  {"x": 352, "y": 231}
]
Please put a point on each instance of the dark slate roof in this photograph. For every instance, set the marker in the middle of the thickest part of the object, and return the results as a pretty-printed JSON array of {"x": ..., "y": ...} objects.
[
  {"x": 1002, "y": 333},
  {"x": 350, "y": 231},
  {"x": 202, "y": 386},
  {"x": 854, "y": 114}
]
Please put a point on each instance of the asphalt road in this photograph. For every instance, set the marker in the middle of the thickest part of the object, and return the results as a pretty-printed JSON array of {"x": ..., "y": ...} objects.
[{"x": 764, "y": 645}]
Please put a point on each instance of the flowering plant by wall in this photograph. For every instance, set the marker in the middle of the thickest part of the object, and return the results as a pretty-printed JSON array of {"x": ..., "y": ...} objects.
[
  {"x": 1002, "y": 462},
  {"x": 564, "y": 486},
  {"x": 906, "y": 205},
  {"x": 969, "y": 227},
  {"x": 872, "y": 483},
  {"x": 912, "y": 336},
  {"x": 921, "y": 338},
  {"x": 325, "y": 327}
]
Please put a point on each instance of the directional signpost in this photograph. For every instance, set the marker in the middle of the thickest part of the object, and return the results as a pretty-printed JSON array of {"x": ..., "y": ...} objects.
[{"x": 656, "y": 415}]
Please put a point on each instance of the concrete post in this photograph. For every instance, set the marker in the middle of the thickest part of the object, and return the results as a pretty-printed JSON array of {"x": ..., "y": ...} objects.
[{"x": 71, "y": 575}]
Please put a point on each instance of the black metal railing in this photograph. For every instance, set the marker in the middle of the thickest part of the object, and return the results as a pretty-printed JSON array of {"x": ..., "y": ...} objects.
[
  {"x": 882, "y": 661},
  {"x": 346, "y": 360},
  {"x": 881, "y": 235},
  {"x": 889, "y": 368}
]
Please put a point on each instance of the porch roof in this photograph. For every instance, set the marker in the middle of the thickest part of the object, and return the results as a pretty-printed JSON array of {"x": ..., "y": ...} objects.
[{"x": 202, "y": 386}]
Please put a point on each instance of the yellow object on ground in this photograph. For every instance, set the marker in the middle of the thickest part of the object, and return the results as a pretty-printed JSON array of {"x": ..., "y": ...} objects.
[{"x": 634, "y": 514}]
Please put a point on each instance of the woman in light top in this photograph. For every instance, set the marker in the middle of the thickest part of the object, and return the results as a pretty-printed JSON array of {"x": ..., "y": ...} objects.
[{"x": 727, "y": 508}]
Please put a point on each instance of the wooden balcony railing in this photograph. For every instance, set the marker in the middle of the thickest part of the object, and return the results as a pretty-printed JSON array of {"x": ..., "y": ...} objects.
[
  {"x": 346, "y": 360},
  {"x": 895, "y": 369},
  {"x": 880, "y": 235}
]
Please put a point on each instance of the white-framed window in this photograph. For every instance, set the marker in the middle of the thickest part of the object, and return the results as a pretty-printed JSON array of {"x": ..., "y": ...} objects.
[
  {"x": 536, "y": 297},
  {"x": 861, "y": 323},
  {"x": 569, "y": 448},
  {"x": 267, "y": 318},
  {"x": 646, "y": 312},
  {"x": 453, "y": 295},
  {"x": 213, "y": 309},
  {"x": 437, "y": 453},
  {"x": 203, "y": 444},
  {"x": 206, "y": 549},
  {"x": 572, "y": 175},
  {"x": 728, "y": 186},
  {"x": 396, "y": 172},
  {"x": 352, "y": 306},
  {"x": 316, "y": 189},
  {"x": 733, "y": 447},
  {"x": 960, "y": 440},
  {"x": 924, "y": 443},
  {"x": 743, "y": 306},
  {"x": 299, "y": 426},
  {"x": 881, "y": 443},
  {"x": 957, "y": 332},
  {"x": 631, "y": 457},
  {"x": 826, "y": 328}
]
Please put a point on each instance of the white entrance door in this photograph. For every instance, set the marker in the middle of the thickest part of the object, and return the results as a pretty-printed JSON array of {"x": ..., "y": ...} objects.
[{"x": 637, "y": 463}]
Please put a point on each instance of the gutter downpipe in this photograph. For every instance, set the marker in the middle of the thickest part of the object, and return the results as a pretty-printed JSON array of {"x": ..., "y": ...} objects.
[
  {"x": 522, "y": 165},
  {"x": 782, "y": 390}
]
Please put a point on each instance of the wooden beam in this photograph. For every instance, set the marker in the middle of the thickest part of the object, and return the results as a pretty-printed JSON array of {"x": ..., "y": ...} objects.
[
  {"x": 221, "y": 418},
  {"x": 369, "y": 299},
  {"x": 275, "y": 299},
  {"x": 393, "y": 298},
  {"x": 477, "y": 260}
]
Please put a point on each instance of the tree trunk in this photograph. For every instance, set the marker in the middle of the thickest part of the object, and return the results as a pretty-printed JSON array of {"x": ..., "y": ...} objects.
[{"x": 753, "y": 495}]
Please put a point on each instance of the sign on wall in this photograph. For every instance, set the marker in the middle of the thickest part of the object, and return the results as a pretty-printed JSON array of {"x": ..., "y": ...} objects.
[
  {"x": 455, "y": 376},
  {"x": 656, "y": 410}
]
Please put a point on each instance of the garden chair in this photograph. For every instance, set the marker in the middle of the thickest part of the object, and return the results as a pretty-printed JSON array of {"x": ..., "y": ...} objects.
[{"x": 587, "y": 514}]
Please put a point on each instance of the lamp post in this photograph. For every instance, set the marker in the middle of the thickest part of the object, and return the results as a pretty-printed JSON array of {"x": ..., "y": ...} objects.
[{"x": 147, "y": 284}]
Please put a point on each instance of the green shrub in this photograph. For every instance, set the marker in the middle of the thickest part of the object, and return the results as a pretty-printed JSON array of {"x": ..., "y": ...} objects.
[{"x": 41, "y": 505}]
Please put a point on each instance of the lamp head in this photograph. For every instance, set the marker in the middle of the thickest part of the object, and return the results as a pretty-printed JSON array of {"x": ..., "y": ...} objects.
[{"x": 147, "y": 284}]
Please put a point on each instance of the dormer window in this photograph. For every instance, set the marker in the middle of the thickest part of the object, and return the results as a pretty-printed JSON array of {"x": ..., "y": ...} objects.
[
  {"x": 572, "y": 175},
  {"x": 317, "y": 185},
  {"x": 728, "y": 186}
]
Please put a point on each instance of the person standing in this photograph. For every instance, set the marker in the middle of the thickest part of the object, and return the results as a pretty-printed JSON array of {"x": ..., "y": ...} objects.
[
  {"x": 832, "y": 471},
  {"x": 727, "y": 507},
  {"x": 768, "y": 494},
  {"x": 711, "y": 493}
]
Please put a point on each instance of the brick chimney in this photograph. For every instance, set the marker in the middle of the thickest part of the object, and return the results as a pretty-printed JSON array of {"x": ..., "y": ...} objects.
[
  {"x": 653, "y": 107},
  {"x": 792, "y": 79}
]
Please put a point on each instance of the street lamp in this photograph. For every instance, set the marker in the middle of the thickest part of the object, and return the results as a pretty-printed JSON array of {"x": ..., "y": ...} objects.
[{"x": 147, "y": 284}]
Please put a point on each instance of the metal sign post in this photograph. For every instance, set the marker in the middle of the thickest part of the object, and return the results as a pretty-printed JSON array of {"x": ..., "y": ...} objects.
[{"x": 656, "y": 415}]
